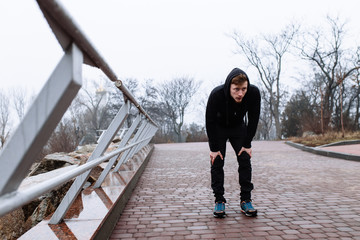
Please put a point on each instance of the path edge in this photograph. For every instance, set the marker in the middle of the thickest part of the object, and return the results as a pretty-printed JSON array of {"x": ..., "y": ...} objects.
[
  {"x": 318, "y": 151},
  {"x": 110, "y": 220}
]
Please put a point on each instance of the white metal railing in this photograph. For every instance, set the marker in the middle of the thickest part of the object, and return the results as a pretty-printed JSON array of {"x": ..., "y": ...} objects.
[
  {"x": 27, "y": 195},
  {"x": 20, "y": 151}
]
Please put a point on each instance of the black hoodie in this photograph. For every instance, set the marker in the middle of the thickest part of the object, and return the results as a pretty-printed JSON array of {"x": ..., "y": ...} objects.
[{"x": 223, "y": 111}]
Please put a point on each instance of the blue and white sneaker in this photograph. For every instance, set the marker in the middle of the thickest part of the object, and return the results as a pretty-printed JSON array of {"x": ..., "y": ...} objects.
[
  {"x": 219, "y": 210},
  {"x": 248, "y": 209}
]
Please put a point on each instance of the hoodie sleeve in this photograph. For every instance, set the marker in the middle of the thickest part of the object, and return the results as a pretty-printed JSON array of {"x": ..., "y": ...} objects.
[
  {"x": 253, "y": 116},
  {"x": 210, "y": 119}
]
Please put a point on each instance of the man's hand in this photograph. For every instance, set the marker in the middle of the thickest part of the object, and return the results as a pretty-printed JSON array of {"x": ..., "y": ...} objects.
[
  {"x": 247, "y": 150},
  {"x": 213, "y": 155}
]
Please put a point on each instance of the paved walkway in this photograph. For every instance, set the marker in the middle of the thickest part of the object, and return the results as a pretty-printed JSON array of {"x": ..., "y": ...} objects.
[
  {"x": 349, "y": 149},
  {"x": 299, "y": 195}
]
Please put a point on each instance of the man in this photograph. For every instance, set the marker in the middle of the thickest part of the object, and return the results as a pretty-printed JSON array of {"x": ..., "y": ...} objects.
[{"x": 225, "y": 111}]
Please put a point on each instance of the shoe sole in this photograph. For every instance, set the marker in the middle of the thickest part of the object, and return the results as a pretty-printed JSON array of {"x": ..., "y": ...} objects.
[
  {"x": 251, "y": 214},
  {"x": 219, "y": 215}
]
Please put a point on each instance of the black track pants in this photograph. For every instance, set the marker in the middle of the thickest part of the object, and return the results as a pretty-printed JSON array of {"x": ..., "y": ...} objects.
[{"x": 236, "y": 138}]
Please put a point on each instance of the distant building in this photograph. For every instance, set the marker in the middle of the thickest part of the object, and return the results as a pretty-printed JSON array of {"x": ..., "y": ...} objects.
[{"x": 101, "y": 96}]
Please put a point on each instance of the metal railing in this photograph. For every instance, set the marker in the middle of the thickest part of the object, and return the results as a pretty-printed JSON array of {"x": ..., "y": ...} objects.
[{"x": 20, "y": 152}]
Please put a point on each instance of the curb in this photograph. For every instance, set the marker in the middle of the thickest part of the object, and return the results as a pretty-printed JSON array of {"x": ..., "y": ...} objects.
[
  {"x": 341, "y": 143},
  {"x": 332, "y": 154},
  {"x": 109, "y": 222}
]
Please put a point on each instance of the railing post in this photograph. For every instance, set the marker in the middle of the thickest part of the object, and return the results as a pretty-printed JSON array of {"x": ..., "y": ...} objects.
[
  {"x": 123, "y": 142},
  {"x": 98, "y": 151},
  {"x": 40, "y": 121},
  {"x": 125, "y": 155},
  {"x": 151, "y": 131},
  {"x": 144, "y": 134},
  {"x": 134, "y": 150}
]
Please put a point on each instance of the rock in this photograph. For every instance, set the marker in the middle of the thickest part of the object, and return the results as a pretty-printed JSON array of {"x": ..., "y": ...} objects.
[
  {"x": 34, "y": 212},
  {"x": 86, "y": 149},
  {"x": 50, "y": 201},
  {"x": 29, "y": 208},
  {"x": 116, "y": 140},
  {"x": 16, "y": 223},
  {"x": 53, "y": 161},
  {"x": 12, "y": 225},
  {"x": 95, "y": 173},
  {"x": 64, "y": 157}
]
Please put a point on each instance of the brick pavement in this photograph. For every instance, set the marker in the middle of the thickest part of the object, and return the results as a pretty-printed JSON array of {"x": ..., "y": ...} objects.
[
  {"x": 349, "y": 149},
  {"x": 299, "y": 195}
]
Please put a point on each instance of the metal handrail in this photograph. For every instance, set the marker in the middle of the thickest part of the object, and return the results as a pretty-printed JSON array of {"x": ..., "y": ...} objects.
[
  {"x": 67, "y": 31},
  {"x": 50, "y": 105},
  {"x": 7, "y": 203}
]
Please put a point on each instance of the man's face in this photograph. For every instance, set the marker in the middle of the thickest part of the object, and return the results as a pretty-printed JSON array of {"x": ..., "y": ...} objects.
[{"x": 238, "y": 91}]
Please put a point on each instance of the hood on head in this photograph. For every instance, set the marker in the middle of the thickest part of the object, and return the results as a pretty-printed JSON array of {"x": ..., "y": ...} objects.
[{"x": 235, "y": 72}]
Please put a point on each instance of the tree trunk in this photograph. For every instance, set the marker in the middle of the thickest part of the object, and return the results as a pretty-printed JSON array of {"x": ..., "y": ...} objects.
[
  {"x": 322, "y": 111},
  {"x": 341, "y": 112},
  {"x": 277, "y": 124},
  {"x": 357, "y": 115}
]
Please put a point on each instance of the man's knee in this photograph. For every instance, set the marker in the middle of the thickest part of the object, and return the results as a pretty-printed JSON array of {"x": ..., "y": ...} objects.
[
  {"x": 244, "y": 160},
  {"x": 218, "y": 162},
  {"x": 244, "y": 155}
]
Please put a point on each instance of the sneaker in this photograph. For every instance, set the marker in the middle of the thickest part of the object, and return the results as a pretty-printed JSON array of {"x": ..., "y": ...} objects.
[
  {"x": 219, "y": 210},
  {"x": 248, "y": 209}
]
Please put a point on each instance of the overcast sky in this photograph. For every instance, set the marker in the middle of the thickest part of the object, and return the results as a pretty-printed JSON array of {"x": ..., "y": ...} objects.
[{"x": 153, "y": 39}]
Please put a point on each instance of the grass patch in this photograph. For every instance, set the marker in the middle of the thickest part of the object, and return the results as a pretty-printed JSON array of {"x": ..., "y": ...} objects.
[{"x": 330, "y": 137}]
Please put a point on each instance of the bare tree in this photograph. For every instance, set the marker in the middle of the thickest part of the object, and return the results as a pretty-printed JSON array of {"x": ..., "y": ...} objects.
[
  {"x": 356, "y": 95},
  {"x": 94, "y": 100},
  {"x": 327, "y": 53},
  {"x": 267, "y": 58},
  {"x": 64, "y": 138},
  {"x": 20, "y": 98},
  {"x": 176, "y": 96},
  {"x": 151, "y": 103},
  {"x": 117, "y": 98},
  {"x": 196, "y": 133},
  {"x": 4, "y": 118},
  {"x": 301, "y": 113},
  {"x": 266, "y": 119},
  {"x": 349, "y": 92}
]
